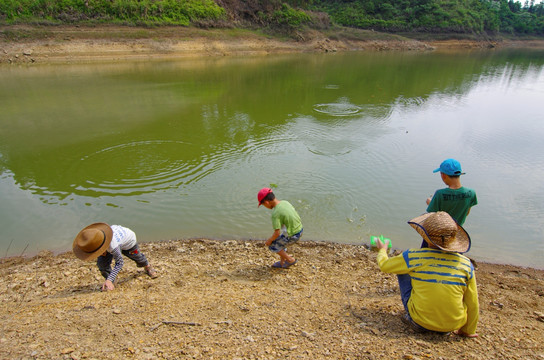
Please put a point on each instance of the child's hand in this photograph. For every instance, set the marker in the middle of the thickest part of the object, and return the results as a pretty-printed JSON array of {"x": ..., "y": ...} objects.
[
  {"x": 108, "y": 285},
  {"x": 274, "y": 236},
  {"x": 428, "y": 201},
  {"x": 382, "y": 245}
]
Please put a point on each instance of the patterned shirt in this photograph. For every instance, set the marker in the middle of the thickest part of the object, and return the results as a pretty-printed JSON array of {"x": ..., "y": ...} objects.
[
  {"x": 123, "y": 239},
  {"x": 444, "y": 295}
]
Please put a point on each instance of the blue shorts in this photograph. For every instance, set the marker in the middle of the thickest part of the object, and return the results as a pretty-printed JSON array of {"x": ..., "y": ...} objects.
[{"x": 281, "y": 242}]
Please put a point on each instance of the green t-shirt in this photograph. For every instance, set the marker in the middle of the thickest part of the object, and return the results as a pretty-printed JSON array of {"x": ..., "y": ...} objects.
[
  {"x": 285, "y": 214},
  {"x": 456, "y": 202}
]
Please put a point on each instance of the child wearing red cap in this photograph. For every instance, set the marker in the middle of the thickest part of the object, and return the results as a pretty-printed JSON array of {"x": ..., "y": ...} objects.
[{"x": 286, "y": 218}]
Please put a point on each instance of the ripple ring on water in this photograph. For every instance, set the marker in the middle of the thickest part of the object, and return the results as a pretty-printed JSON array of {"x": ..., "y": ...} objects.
[
  {"x": 137, "y": 167},
  {"x": 337, "y": 109}
]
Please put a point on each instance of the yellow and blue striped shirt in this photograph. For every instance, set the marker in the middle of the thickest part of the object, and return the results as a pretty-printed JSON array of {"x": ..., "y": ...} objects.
[{"x": 444, "y": 294}]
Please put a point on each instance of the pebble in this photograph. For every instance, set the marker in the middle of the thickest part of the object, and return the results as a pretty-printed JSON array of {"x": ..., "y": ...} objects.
[
  {"x": 250, "y": 338},
  {"x": 539, "y": 315}
]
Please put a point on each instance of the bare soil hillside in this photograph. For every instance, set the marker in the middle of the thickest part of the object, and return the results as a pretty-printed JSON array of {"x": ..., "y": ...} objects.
[{"x": 47, "y": 44}]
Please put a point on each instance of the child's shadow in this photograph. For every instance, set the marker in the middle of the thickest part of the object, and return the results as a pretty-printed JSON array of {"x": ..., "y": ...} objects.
[
  {"x": 383, "y": 323},
  {"x": 245, "y": 273},
  {"x": 76, "y": 290},
  {"x": 94, "y": 287}
]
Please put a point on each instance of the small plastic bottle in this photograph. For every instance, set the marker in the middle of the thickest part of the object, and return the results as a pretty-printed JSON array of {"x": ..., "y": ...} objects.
[{"x": 373, "y": 241}]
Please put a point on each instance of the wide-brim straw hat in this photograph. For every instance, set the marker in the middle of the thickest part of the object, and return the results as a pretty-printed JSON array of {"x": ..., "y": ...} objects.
[
  {"x": 92, "y": 241},
  {"x": 439, "y": 229}
]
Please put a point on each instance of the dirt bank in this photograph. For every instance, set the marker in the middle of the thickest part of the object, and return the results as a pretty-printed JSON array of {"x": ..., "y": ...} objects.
[
  {"x": 71, "y": 44},
  {"x": 222, "y": 300},
  {"x": 45, "y": 44}
]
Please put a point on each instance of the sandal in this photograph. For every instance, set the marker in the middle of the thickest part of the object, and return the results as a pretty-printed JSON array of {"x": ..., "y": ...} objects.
[
  {"x": 285, "y": 265},
  {"x": 151, "y": 272}
]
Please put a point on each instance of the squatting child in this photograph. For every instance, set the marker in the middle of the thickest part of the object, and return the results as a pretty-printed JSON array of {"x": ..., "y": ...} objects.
[
  {"x": 105, "y": 243},
  {"x": 286, "y": 218},
  {"x": 437, "y": 284}
]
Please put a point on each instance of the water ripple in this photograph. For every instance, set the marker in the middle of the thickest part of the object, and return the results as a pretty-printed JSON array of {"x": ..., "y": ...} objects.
[
  {"x": 337, "y": 109},
  {"x": 137, "y": 168},
  {"x": 411, "y": 101},
  {"x": 266, "y": 145}
]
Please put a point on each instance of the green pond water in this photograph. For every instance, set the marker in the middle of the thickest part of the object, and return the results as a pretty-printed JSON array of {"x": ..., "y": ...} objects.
[{"x": 179, "y": 149}]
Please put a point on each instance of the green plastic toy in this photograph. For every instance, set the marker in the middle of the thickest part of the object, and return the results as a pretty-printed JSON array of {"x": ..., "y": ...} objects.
[{"x": 373, "y": 240}]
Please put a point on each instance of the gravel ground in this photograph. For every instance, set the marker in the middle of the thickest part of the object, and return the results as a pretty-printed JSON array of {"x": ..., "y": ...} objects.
[{"x": 222, "y": 300}]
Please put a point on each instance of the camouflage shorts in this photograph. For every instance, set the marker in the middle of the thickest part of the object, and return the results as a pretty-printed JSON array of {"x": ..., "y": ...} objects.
[{"x": 281, "y": 242}]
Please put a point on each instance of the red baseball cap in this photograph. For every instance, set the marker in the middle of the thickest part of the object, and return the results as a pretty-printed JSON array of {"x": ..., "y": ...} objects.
[{"x": 262, "y": 194}]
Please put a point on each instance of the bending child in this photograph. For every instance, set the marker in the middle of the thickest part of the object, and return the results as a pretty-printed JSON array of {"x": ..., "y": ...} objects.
[
  {"x": 105, "y": 243},
  {"x": 284, "y": 216}
]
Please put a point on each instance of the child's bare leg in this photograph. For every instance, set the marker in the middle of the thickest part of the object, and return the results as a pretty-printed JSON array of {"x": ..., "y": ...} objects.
[{"x": 285, "y": 257}]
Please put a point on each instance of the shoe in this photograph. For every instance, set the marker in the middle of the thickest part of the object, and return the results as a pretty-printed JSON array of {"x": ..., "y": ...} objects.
[
  {"x": 151, "y": 272},
  {"x": 416, "y": 327},
  {"x": 285, "y": 265}
]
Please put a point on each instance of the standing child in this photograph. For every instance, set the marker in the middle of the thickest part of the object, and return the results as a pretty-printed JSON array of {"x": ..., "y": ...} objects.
[
  {"x": 105, "y": 243},
  {"x": 284, "y": 217},
  {"x": 456, "y": 199}
]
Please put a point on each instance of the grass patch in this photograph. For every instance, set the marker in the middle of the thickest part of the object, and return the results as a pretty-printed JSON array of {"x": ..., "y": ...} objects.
[
  {"x": 94, "y": 31},
  {"x": 354, "y": 34}
]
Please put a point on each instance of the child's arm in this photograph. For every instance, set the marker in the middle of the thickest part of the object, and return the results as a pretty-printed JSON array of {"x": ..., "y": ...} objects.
[
  {"x": 470, "y": 302},
  {"x": 118, "y": 257},
  {"x": 274, "y": 236}
]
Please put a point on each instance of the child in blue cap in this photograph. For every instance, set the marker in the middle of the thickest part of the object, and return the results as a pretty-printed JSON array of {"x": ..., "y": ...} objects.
[{"x": 456, "y": 199}]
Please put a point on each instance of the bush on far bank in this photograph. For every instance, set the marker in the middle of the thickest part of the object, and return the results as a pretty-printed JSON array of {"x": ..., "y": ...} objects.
[
  {"x": 480, "y": 17},
  {"x": 163, "y": 12}
]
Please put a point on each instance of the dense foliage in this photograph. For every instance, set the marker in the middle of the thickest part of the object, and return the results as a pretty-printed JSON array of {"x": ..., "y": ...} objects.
[
  {"x": 432, "y": 16},
  {"x": 462, "y": 16},
  {"x": 175, "y": 12}
]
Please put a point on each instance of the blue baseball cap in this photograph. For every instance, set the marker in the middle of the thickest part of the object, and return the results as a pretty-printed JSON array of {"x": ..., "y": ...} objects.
[{"x": 450, "y": 167}]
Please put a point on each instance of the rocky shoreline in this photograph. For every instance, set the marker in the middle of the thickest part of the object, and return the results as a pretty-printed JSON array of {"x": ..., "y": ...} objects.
[
  {"x": 222, "y": 300},
  {"x": 20, "y": 44}
]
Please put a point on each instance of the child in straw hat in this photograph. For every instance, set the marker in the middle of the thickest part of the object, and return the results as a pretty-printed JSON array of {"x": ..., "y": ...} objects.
[
  {"x": 105, "y": 243},
  {"x": 437, "y": 284}
]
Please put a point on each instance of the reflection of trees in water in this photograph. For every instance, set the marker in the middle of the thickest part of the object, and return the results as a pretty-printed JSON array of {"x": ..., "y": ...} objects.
[{"x": 153, "y": 128}]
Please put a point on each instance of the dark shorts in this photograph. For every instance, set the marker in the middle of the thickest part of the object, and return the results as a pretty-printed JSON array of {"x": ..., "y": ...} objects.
[
  {"x": 134, "y": 254},
  {"x": 282, "y": 241}
]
